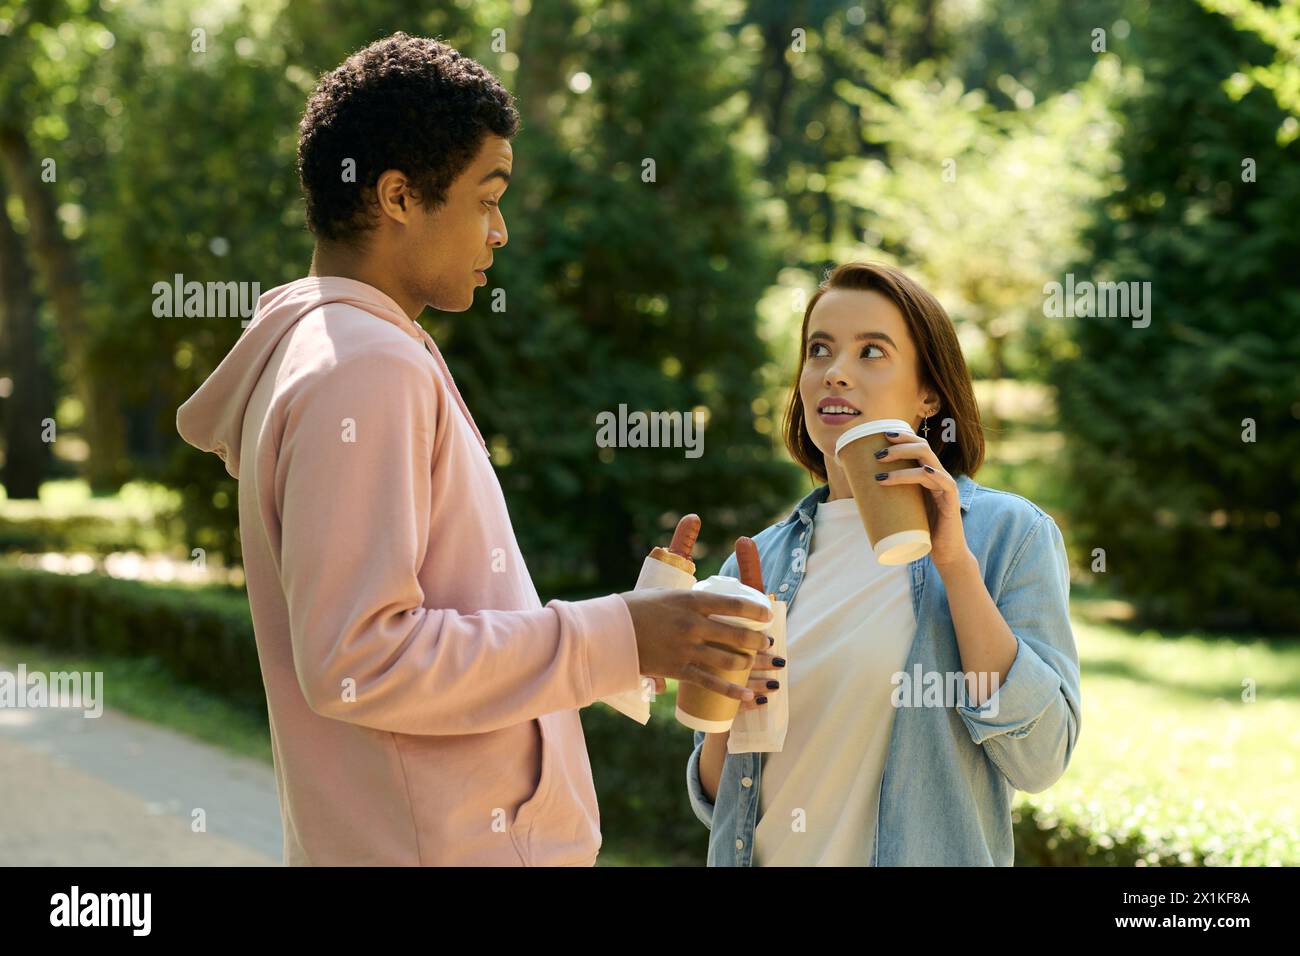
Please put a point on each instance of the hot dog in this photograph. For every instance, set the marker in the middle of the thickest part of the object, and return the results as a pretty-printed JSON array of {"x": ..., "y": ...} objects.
[{"x": 678, "y": 554}]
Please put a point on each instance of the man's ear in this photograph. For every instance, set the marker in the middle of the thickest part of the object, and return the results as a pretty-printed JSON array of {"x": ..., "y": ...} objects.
[{"x": 395, "y": 196}]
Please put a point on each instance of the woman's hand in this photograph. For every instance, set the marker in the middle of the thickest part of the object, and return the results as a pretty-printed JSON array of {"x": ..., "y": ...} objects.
[
  {"x": 762, "y": 686},
  {"x": 751, "y": 573},
  {"x": 942, "y": 500}
]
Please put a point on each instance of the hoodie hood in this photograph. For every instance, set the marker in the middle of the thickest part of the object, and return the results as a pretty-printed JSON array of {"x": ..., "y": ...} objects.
[{"x": 212, "y": 419}]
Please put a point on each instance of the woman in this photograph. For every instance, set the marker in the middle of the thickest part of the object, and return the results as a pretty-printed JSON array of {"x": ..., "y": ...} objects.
[{"x": 878, "y": 767}]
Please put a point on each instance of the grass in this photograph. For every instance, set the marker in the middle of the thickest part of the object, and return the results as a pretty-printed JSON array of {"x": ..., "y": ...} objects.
[{"x": 1170, "y": 754}]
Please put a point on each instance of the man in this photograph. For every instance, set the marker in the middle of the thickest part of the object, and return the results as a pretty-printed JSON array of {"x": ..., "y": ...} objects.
[{"x": 423, "y": 704}]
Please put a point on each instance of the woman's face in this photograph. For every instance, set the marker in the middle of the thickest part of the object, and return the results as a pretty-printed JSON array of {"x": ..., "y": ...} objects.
[{"x": 860, "y": 364}]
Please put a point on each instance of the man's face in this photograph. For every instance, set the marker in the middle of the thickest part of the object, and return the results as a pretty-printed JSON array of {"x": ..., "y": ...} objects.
[{"x": 444, "y": 251}]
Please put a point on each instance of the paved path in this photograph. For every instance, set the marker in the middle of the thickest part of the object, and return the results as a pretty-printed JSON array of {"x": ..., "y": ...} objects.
[{"x": 113, "y": 790}]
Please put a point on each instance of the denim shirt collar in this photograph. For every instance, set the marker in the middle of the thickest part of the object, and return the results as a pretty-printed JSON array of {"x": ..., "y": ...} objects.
[{"x": 806, "y": 510}]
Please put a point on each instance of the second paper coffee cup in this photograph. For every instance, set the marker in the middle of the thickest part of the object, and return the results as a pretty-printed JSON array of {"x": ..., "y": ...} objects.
[
  {"x": 705, "y": 710},
  {"x": 894, "y": 516}
]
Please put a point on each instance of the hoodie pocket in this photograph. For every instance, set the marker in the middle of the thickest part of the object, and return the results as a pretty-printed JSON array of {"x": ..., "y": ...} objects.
[{"x": 528, "y": 810}]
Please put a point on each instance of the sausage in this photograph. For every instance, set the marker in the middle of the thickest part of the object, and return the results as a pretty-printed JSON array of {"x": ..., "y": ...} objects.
[
  {"x": 688, "y": 529},
  {"x": 751, "y": 571}
]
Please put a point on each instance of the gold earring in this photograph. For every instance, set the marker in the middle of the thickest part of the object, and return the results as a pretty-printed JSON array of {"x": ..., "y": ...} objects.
[{"x": 925, "y": 426}]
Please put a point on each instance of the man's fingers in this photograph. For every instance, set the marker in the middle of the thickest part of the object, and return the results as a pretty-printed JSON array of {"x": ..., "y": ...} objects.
[
  {"x": 751, "y": 570},
  {"x": 702, "y": 678},
  {"x": 688, "y": 529},
  {"x": 730, "y": 606},
  {"x": 738, "y": 637},
  {"x": 722, "y": 659}
]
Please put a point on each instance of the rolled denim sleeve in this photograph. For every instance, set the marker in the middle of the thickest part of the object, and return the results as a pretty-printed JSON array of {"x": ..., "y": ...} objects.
[
  {"x": 1030, "y": 724},
  {"x": 701, "y": 804}
]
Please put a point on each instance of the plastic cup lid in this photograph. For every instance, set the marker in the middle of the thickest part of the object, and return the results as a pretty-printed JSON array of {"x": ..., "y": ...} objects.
[
  {"x": 871, "y": 428},
  {"x": 720, "y": 584}
]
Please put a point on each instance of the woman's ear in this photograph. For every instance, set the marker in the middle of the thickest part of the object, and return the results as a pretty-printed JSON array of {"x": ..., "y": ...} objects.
[{"x": 930, "y": 403}]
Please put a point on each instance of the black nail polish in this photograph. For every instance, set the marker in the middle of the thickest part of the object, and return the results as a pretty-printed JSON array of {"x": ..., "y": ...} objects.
[
  {"x": 760, "y": 700},
  {"x": 891, "y": 434},
  {"x": 770, "y": 640},
  {"x": 882, "y": 476},
  {"x": 882, "y": 453},
  {"x": 778, "y": 662},
  {"x": 773, "y": 684},
  {"x": 928, "y": 468}
]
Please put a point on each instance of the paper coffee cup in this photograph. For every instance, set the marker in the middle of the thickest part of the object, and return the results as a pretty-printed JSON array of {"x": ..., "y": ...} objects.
[
  {"x": 705, "y": 710},
  {"x": 894, "y": 516}
]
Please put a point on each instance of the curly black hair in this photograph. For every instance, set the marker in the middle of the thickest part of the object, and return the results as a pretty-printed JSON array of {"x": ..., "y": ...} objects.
[{"x": 407, "y": 103}]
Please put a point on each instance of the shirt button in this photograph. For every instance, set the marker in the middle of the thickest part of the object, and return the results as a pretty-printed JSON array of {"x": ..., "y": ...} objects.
[
  {"x": 746, "y": 781},
  {"x": 785, "y": 587},
  {"x": 740, "y": 844}
]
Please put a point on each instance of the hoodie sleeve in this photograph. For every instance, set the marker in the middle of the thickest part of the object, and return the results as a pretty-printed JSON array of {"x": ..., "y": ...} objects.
[{"x": 354, "y": 489}]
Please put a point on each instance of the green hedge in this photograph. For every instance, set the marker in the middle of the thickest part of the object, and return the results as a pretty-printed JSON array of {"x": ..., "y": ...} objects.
[
  {"x": 91, "y": 534},
  {"x": 139, "y": 517},
  {"x": 204, "y": 637}
]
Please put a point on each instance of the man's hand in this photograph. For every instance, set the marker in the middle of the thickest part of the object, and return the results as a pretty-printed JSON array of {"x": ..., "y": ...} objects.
[
  {"x": 675, "y": 638},
  {"x": 683, "y": 543}
]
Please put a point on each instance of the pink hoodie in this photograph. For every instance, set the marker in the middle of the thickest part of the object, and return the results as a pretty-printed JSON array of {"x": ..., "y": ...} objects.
[{"x": 423, "y": 703}]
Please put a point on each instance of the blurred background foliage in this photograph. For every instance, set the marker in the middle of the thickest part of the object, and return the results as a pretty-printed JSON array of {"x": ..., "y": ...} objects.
[{"x": 988, "y": 146}]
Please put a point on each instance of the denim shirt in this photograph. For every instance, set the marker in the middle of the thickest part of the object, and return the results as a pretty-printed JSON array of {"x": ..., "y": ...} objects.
[{"x": 950, "y": 771}]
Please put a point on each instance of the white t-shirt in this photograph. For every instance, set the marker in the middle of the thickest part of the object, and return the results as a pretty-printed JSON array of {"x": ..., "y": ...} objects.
[{"x": 849, "y": 631}]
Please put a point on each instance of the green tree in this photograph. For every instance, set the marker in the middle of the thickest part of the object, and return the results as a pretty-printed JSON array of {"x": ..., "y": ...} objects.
[
  {"x": 1279, "y": 26},
  {"x": 45, "y": 50},
  {"x": 985, "y": 205},
  {"x": 1182, "y": 437},
  {"x": 633, "y": 271},
  {"x": 28, "y": 400}
]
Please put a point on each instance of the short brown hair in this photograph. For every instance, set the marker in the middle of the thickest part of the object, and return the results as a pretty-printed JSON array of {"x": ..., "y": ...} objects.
[{"x": 941, "y": 367}]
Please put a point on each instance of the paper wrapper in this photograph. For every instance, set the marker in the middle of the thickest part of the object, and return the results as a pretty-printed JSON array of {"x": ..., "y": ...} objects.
[
  {"x": 654, "y": 574},
  {"x": 762, "y": 729}
]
